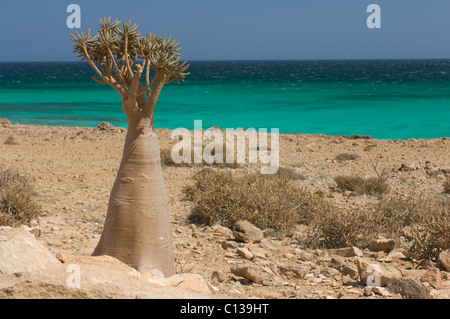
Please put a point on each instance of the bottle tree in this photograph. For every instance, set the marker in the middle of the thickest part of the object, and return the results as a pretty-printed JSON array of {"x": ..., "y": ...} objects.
[{"x": 137, "y": 228}]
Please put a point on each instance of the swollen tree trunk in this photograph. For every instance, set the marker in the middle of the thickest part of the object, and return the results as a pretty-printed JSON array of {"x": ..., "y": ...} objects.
[{"x": 137, "y": 228}]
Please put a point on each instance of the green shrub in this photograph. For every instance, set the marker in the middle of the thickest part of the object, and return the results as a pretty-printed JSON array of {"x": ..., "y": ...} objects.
[{"x": 17, "y": 199}]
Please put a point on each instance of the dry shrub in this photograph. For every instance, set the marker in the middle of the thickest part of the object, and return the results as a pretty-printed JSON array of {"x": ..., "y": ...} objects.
[
  {"x": 336, "y": 228},
  {"x": 276, "y": 203},
  {"x": 430, "y": 237},
  {"x": 346, "y": 157},
  {"x": 17, "y": 199},
  {"x": 446, "y": 185},
  {"x": 374, "y": 186},
  {"x": 427, "y": 218},
  {"x": 11, "y": 141},
  {"x": 286, "y": 172}
]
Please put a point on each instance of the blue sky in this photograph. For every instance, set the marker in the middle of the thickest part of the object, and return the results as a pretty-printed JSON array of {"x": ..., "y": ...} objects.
[{"x": 239, "y": 29}]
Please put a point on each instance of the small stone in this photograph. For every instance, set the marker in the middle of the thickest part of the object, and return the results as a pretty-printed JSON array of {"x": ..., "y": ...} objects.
[
  {"x": 64, "y": 256},
  {"x": 220, "y": 276},
  {"x": 352, "y": 272},
  {"x": 346, "y": 252},
  {"x": 194, "y": 282},
  {"x": 244, "y": 253},
  {"x": 254, "y": 273},
  {"x": 367, "y": 291},
  {"x": 229, "y": 244},
  {"x": 381, "y": 291},
  {"x": 337, "y": 262},
  {"x": 433, "y": 277},
  {"x": 444, "y": 259},
  {"x": 213, "y": 289},
  {"x": 33, "y": 223}
]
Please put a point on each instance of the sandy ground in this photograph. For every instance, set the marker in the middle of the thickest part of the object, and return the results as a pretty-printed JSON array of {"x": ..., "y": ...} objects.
[{"x": 74, "y": 169}]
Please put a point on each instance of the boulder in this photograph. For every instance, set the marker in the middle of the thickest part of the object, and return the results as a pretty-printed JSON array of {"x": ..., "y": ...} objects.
[
  {"x": 246, "y": 232},
  {"x": 100, "y": 277},
  {"x": 372, "y": 273},
  {"x": 20, "y": 252}
]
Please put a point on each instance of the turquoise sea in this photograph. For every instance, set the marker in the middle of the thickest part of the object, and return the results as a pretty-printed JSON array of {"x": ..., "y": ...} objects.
[{"x": 386, "y": 99}]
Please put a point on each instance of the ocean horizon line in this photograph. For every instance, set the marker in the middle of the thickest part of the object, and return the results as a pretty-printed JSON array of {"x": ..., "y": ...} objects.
[{"x": 263, "y": 60}]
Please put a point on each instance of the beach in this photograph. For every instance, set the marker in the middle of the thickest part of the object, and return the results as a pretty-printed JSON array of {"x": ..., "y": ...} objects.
[{"x": 74, "y": 168}]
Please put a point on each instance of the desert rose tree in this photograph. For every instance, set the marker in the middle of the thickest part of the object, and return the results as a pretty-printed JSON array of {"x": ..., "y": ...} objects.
[{"x": 137, "y": 228}]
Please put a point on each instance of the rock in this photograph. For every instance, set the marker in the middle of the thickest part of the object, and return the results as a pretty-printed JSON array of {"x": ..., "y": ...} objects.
[
  {"x": 212, "y": 288},
  {"x": 100, "y": 277},
  {"x": 244, "y": 253},
  {"x": 381, "y": 291},
  {"x": 220, "y": 276},
  {"x": 372, "y": 273},
  {"x": 219, "y": 229},
  {"x": 408, "y": 289},
  {"x": 64, "y": 256},
  {"x": 413, "y": 273},
  {"x": 444, "y": 259},
  {"x": 382, "y": 244},
  {"x": 226, "y": 244},
  {"x": 350, "y": 271},
  {"x": 236, "y": 288},
  {"x": 156, "y": 277},
  {"x": 440, "y": 294},
  {"x": 5, "y": 123},
  {"x": 303, "y": 255},
  {"x": 107, "y": 127},
  {"x": 433, "y": 277},
  {"x": 194, "y": 282},
  {"x": 408, "y": 167},
  {"x": 337, "y": 262},
  {"x": 21, "y": 252},
  {"x": 367, "y": 291},
  {"x": 293, "y": 270},
  {"x": 254, "y": 273},
  {"x": 246, "y": 232},
  {"x": 346, "y": 252}
]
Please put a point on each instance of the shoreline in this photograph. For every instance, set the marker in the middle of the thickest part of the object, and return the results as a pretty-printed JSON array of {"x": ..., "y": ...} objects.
[{"x": 6, "y": 121}]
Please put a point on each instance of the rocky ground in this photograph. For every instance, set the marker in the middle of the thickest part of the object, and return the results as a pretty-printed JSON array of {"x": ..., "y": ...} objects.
[{"x": 74, "y": 169}]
